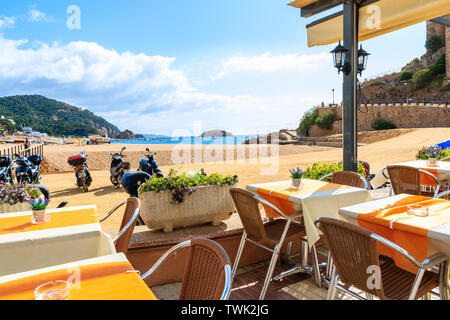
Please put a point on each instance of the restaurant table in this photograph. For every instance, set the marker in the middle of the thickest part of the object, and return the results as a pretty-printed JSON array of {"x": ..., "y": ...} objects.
[
  {"x": 73, "y": 233},
  {"x": 314, "y": 199},
  {"x": 420, "y": 236},
  {"x": 109, "y": 277}
]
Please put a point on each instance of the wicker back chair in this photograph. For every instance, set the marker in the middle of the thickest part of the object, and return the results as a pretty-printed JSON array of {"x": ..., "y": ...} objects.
[
  {"x": 356, "y": 259},
  {"x": 406, "y": 179},
  {"x": 347, "y": 178},
  {"x": 270, "y": 236},
  {"x": 207, "y": 273},
  {"x": 130, "y": 216},
  {"x": 447, "y": 159}
]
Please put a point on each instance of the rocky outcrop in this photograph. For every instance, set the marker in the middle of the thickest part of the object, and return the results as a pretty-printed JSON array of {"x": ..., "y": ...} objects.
[
  {"x": 216, "y": 133},
  {"x": 284, "y": 136},
  {"x": 127, "y": 134}
]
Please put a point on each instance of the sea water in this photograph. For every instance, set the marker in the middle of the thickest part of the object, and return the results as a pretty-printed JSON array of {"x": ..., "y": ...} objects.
[{"x": 186, "y": 140}]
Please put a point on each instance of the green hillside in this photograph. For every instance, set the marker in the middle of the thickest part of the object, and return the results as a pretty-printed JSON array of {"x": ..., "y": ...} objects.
[{"x": 53, "y": 117}]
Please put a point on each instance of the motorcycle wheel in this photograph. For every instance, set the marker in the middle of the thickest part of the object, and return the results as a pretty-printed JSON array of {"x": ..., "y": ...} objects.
[
  {"x": 159, "y": 175},
  {"x": 114, "y": 182},
  {"x": 85, "y": 187}
]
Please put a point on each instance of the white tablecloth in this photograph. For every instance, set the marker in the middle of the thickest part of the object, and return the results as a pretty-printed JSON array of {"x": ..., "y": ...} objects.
[{"x": 23, "y": 251}]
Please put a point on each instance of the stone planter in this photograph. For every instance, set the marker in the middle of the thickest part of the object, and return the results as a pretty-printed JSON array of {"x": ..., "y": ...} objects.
[
  {"x": 18, "y": 207},
  {"x": 207, "y": 204}
]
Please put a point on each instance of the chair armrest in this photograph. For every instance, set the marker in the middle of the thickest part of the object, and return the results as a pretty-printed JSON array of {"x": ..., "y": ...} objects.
[
  {"x": 326, "y": 176},
  {"x": 442, "y": 194},
  {"x": 427, "y": 264},
  {"x": 291, "y": 217},
  {"x": 112, "y": 211},
  {"x": 434, "y": 260},
  {"x": 164, "y": 257},
  {"x": 130, "y": 223},
  {"x": 445, "y": 159}
]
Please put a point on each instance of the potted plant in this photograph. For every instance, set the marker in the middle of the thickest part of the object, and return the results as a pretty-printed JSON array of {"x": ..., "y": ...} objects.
[
  {"x": 38, "y": 205},
  {"x": 296, "y": 175},
  {"x": 13, "y": 197},
  {"x": 181, "y": 200},
  {"x": 433, "y": 153}
]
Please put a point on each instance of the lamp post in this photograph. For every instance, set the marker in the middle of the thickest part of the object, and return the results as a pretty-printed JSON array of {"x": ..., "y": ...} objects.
[
  {"x": 350, "y": 61},
  {"x": 333, "y": 95},
  {"x": 405, "y": 85}
]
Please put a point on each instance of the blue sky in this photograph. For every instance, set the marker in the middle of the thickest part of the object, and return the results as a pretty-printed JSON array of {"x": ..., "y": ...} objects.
[{"x": 179, "y": 67}]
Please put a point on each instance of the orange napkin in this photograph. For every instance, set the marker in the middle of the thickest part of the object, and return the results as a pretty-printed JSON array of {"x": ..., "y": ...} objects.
[
  {"x": 408, "y": 231},
  {"x": 57, "y": 220},
  {"x": 278, "y": 195},
  {"x": 104, "y": 281}
]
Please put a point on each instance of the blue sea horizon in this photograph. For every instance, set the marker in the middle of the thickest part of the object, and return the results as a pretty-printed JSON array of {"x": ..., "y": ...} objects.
[{"x": 230, "y": 140}]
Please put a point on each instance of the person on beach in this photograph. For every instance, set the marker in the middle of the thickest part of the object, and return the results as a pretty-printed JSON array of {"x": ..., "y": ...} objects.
[{"x": 27, "y": 144}]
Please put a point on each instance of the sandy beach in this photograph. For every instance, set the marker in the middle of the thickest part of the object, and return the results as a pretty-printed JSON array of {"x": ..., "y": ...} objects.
[{"x": 400, "y": 147}]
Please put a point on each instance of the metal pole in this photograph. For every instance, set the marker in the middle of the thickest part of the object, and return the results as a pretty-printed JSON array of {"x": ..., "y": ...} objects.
[{"x": 350, "y": 143}]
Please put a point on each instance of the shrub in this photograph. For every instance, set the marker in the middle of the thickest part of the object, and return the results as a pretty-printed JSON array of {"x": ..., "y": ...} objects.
[
  {"x": 179, "y": 185},
  {"x": 318, "y": 170},
  {"x": 308, "y": 119},
  {"x": 424, "y": 153},
  {"x": 326, "y": 120},
  {"x": 421, "y": 78},
  {"x": 439, "y": 66},
  {"x": 382, "y": 124},
  {"x": 406, "y": 75},
  {"x": 434, "y": 43}
]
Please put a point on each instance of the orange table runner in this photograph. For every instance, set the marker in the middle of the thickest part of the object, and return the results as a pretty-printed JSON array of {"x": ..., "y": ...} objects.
[
  {"x": 408, "y": 231},
  {"x": 279, "y": 195},
  {"x": 57, "y": 220},
  {"x": 103, "y": 281}
]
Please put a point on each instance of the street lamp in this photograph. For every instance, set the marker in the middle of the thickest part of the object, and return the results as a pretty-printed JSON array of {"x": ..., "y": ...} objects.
[
  {"x": 339, "y": 61},
  {"x": 333, "y": 95},
  {"x": 406, "y": 85},
  {"x": 362, "y": 59}
]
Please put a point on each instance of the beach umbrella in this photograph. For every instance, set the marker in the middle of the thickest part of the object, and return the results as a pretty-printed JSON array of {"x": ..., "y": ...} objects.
[{"x": 361, "y": 20}]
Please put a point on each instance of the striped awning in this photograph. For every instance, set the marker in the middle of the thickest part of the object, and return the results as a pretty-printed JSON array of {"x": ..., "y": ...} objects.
[{"x": 375, "y": 19}]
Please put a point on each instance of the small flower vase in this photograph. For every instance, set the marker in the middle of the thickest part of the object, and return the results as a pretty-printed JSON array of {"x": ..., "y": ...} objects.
[
  {"x": 432, "y": 162},
  {"x": 296, "y": 182},
  {"x": 40, "y": 216}
]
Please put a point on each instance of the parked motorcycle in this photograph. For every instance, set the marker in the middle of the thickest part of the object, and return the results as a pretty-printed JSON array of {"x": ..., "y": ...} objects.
[
  {"x": 46, "y": 194},
  {"x": 28, "y": 168},
  {"x": 150, "y": 165},
  {"x": 6, "y": 165},
  {"x": 118, "y": 167},
  {"x": 78, "y": 162}
]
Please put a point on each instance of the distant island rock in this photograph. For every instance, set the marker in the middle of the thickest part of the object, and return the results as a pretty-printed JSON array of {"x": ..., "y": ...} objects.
[
  {"x": 127, "y": 134},
  {"x": 139, "y": 136},
  {"x": 216, "y": 133}
]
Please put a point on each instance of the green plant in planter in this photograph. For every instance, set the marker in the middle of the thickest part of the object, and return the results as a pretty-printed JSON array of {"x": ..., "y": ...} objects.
[
  {"x": 13, "y": 193},
  {"x": 296, "y": 173},
  {"x": 432, "y": 152},
  {"x": 181, "y": 184},
  {"x": 37, "y": 200},
  {"x": 318, "y": 170}
]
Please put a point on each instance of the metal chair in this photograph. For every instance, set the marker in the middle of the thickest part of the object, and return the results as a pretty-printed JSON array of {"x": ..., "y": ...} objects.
[
  {"x": 122, "y": 240},
  {"x": 357, "y": 263},
  {"x": 347, "y": 178},
  {"x": 444, "y": 195},
  {"x": 406, "y": 179},
  {"x": 270, "y": 236},
  {"x": 447, "y": 159},
  {"x": 207, "y": 273}
]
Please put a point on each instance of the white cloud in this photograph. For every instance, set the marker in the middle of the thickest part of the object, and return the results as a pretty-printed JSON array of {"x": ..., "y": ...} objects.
[
  {"x": 144, "y": 93},
  {"x": 34, "y": 15},
  {"x": 268, "y": 63},
  {"x": 7, "y": 22}
]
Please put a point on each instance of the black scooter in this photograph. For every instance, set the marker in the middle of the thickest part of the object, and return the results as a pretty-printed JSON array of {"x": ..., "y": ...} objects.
[
  {"x": 118, "y": 167},
  {"x": 28, "y": 168},
  {"x": 150, "y": 165},
  {"x": 6, "y": 165},
  {"x": 78, "y": 162}
]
